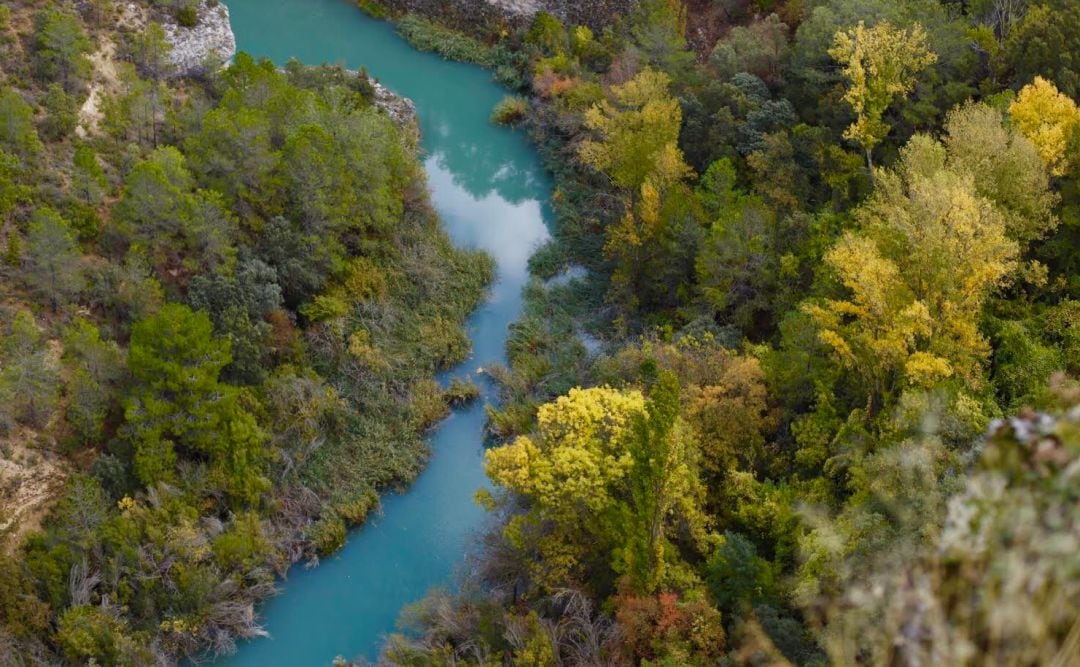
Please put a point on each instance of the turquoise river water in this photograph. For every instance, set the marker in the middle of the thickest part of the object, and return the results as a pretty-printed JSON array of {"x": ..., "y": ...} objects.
[{"x": 490, "y": 190}]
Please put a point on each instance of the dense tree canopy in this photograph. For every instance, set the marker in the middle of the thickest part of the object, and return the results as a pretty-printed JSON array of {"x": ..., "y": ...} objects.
[
  {"x": 807, "y": 352},
  {"x": 187, "y": 264},
  {"x": 795, "y": 381}
]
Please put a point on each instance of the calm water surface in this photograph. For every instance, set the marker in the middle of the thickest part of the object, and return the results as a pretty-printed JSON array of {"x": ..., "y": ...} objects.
[{"x": 488, "y": 186}]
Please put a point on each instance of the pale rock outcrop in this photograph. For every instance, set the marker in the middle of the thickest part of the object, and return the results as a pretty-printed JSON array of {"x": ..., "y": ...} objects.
[
  {"x": 401, "y": 110},
  {"x": 517, "y": 7},
  {"x": 210, "y": 40}
]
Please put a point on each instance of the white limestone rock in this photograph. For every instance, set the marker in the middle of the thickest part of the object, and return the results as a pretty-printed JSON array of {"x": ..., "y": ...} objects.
[
  {"x": 401, "y": 110},
  {"x": 525, "y": 8},
  {"x": 210, "y": 40}
]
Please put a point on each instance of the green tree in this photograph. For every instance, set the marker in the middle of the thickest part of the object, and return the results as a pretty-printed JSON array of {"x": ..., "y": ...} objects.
[
  {"x": 139, "y": 110},
  {"x": 150, "y": 51},
  {"x": 54, "y": 270},
  {"x": 17, "y": 132},
  {"x": 1005, "y": 167},
  {"x": 88, "y": 180},
  {"x": 96, "y": 368},
  {"x": 638, "y": 130},
  {"x": 233, "y": 153},
  {"x": 239, "y": 305},
  {"x": 62, "y": 113},
  {"x": 183, "y": 231},
  {"x": 736, "y": 575},
  {"x": 737, "y": 263},
  {"x": 29, "y": 377},
  {"x": 658, "y": 28},
  {"x": 126, "y": 290},
  {"x": 22, "y": 614},
  {"x": 179, "y": 404},
  {"x": 1023, "y": 365},
  {"x": 61, "y": 47},
  {"x": 880, "y": 63},
  {"x": 12, "y": 191},
  {"x": 638, "y": 148},
  {"x": 1044, "y": 44},
  {"x": 756, "y": 48},
  {"x": 662, "y": 482},
  {"x": 319, "y": 183}
]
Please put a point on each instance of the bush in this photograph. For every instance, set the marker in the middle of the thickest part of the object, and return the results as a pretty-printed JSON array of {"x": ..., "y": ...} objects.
[
  {"x": 428, "y": 36},
  {"x": 426, "y": 406},
  {"x": 461, "y": 392},
  {"x": 373, "y": 8},
  {"x": 510, "y": 111},
  {"x": 355, "y": 512},
  {"x": 187, "y": 17},
  {"x": 327, "y": 535}
]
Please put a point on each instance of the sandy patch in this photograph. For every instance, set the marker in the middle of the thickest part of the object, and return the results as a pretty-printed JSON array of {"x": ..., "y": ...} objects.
[{"x": 30, "y": 482}]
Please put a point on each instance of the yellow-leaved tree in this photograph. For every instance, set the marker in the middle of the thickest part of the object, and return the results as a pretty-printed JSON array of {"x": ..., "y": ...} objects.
[
  {"x": 567, "y": 470},
  {"x": 637, "y": 127},
  {"x": 605, "y": 478},
  {"x": 880, "y": 62},
  {"x": 1049, "y": 119},
  {"x": 930, "y": 248},
  {"x": 637, "y": 147}
]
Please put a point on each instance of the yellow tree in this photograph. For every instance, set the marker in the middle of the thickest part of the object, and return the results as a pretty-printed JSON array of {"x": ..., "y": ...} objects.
[
  {"x": 606, "y": 477},
  {"x": 567, "y": 470},
  {"x": 880, "y": 63},
  {"x": 1048, "y": 118},
  {"x": 1005, "y": 166},
  {"x": 638, "y": 149},
  {"x": 637, "y": 127},
  {"x": 928, "y": 253}
]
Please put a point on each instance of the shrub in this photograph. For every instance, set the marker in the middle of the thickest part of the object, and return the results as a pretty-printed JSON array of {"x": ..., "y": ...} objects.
[
  {"x": 327, "y": 535},
  {"x": 461, "y": 392},
  {"x": 187, "y": 17},
  {"x": 373, "y": 8},
  {"x": 355, "y": 512},
  {"x": 426, "y": 404},
  {"x": 510, "y": 111},
  {"x": 428, "y": 36}
]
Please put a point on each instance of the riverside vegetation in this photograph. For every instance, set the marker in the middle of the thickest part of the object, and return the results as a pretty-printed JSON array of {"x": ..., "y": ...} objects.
[
  {"x": 224, "y": 300},
  {"x": 830, "y": 253},
  {"x": 830, "y": 249}
]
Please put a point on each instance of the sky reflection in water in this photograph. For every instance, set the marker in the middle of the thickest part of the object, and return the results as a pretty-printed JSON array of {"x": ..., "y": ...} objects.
[{"x": 489, "y": 189}]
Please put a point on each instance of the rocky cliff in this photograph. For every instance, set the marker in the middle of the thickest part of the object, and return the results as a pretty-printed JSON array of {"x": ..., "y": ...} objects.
[
  {"x": 210, "y": 42},
  {"x": 400, "y": 109}
]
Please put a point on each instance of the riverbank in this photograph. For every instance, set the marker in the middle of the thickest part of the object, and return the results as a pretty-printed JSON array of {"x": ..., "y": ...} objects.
[
  {"x": 491, "y": 18},
  {"x": 491, "y": 194},
  {"x": 261, "y": 240}
]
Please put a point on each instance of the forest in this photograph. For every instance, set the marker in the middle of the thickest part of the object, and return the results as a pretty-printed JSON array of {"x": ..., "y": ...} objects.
[
  {"x": 224, "y": 301},
  {"x": 830, "y": 251}
]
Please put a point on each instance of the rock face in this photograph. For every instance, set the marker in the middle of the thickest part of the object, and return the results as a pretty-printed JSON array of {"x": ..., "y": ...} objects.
[
  {"x": 517, "y": 7},
  {"x": 400, "y": 109},
  {"x": 211, "y": 40}
]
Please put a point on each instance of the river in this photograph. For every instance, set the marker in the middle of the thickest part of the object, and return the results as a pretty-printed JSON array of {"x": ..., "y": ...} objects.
[{"x": 491, "y": 192}]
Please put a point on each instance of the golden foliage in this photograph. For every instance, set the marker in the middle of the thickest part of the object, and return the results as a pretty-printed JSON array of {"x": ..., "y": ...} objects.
[
  {"x": 929, "y": 252},
  {"x": 1048, "y": 118},
  {"x": 880, "y": 62}
]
